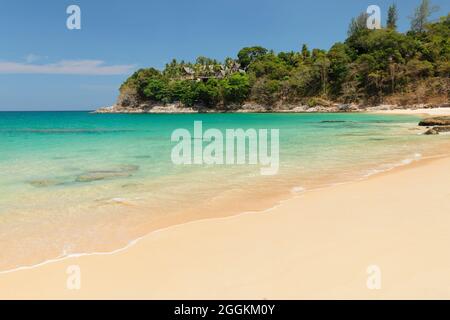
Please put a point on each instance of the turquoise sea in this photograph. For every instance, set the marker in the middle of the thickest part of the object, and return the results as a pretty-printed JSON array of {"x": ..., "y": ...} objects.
[{"x": 76, "y": 182}]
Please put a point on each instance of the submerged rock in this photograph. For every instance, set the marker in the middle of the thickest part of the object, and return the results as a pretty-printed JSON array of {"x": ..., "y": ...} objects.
[
  {"x": 124, "y": 171},
  {"x": 435, "y": 121},
  {"x": 132, "y": 185},
  {"x": 42, "y": 183},
  {"x": 116, "y": 201},
  {"x": 431, "y": 132},
  {"x": 129, "y": 168},
  {"x": 101, "y": 175},
  {"x": 437, "y": 130}
]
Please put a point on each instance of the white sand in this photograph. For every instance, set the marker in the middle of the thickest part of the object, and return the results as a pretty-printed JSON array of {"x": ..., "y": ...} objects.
[
  {"x": 318, "y": 245},
  {"x": 429, "y": 112}
]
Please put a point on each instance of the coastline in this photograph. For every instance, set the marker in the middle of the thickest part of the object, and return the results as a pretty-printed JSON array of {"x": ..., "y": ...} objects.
[
  {"x": 140, "y": 209},
  {"x": 273, "y": 244},
  {"x": 219, "y": 166},
  {"x": 176, "y": 108}
]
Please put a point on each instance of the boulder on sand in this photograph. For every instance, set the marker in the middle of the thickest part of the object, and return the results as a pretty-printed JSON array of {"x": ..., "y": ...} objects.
[
  {"x": 437, "y": 130},
  {"x": 435, "y": 121}
]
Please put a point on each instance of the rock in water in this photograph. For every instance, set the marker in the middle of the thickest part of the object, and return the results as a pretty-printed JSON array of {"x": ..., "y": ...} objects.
[
  {"x": 437, "y": 130},
  {"x": 129, "y": 168},
  {"x": 431, "y": 132},
  {"x": 124, "y": 171},
  {"x": 42, "y": 183},
  {"x": 101, "y": 175},
  {"x": 435, "y": 121}
]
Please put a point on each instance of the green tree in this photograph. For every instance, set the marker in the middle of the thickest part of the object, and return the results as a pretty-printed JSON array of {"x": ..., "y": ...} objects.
[
  {"x": 208, "y": 93},
  {"x": 205, "y": 61},
  {"x": 179, "y": 90},
  {"x": 305, "y": 52},
  {"x": 139, "y": 80},
  {"x": 339, "y": 67},
  {"x": 392, "y": 17},
  {"x": 357, "y": 24},
  {"x": 321, "y": 66},
  {"x": 188, "y": 93},
  {"x": 173, "y": 69},
  {"x": 266, "y": 91},
  {"x": 248, "y": 55},
  {"x": 291, "y": 59},
  {"x": 303, "y": 82},
  {"x": 236, "y": 88},
  {"x": 421, "y": 16},
  {"x": 271, "y": 66},
  {"x": 435, "y": 46},
  {"x": 157, "y": 90}
]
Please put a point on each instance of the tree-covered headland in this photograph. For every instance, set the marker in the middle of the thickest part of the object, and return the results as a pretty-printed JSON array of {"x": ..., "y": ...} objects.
[{"x": 369, "y": 67}]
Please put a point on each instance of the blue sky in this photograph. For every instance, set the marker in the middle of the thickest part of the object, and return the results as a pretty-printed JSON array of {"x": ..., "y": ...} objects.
[{"x": 45, "y": 66}]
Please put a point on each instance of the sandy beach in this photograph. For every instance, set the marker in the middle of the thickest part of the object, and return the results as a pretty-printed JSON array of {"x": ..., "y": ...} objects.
[
  {"x": 238, "y": 152},
  {"x": 316, "y": 245},
  {"x": 420, "y": 111}
]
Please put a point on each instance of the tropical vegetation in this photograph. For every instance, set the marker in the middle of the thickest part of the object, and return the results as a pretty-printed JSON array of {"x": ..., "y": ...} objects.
[{"x": 370, "y": 66}]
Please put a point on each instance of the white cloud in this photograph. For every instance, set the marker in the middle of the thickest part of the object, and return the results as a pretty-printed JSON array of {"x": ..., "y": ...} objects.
[
  {"x": 32, "y": 57},
  {"x": 78, "y": 67}
]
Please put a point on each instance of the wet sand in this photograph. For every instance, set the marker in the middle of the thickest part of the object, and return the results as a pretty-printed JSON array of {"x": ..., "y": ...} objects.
[{"x": 316, "y": 245}]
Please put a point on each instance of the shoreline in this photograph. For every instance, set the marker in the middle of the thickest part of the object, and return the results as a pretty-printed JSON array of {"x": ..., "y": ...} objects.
[
  {"x": 50, "y": 264},
  {"x": 275, "y": 203},
  {"x": 257, "y": 196},
  {"x": 421, "y": 109},
  {"x": 267, "y": 202}
]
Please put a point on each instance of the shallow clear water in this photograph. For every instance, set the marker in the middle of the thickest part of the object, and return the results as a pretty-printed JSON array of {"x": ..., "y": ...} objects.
[{"x": 73, "y": 182}]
